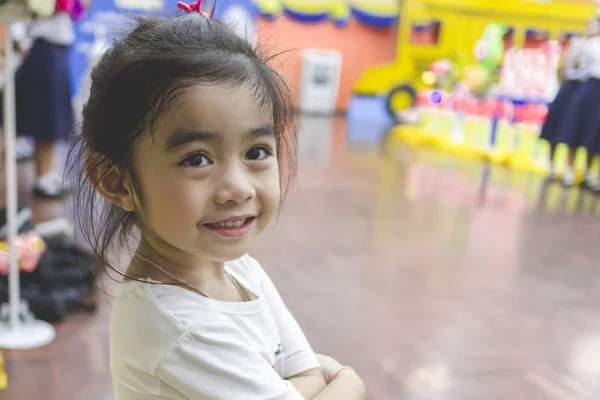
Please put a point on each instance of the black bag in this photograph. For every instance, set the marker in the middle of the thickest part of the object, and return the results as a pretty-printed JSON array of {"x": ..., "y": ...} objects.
[{"x": 63, "y": 281}]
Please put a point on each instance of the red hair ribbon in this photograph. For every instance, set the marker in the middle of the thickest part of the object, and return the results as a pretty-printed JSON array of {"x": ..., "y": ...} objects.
[{"x": 189, "y": 8}]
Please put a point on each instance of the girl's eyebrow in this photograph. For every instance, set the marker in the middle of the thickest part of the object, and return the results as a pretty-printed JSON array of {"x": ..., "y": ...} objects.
[
  {"x": 181, "y": 137},
  {"x": 265, "y": 130}
]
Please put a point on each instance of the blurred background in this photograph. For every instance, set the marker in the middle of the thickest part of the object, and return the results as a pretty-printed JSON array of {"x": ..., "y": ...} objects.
[{"x": 435, "y": 239}]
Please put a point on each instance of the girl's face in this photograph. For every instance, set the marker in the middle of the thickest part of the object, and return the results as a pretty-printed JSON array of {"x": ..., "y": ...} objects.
[{"x": 209, "y": 178}]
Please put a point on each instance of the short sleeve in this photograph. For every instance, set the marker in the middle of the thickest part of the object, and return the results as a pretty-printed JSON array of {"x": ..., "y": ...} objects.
[
  {"x": 213, "y": 362},
  {"x": 299, "y": 356}
]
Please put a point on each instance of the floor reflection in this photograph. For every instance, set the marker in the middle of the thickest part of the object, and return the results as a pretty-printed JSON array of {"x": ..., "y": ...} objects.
[{"x": 437, "y": 278}]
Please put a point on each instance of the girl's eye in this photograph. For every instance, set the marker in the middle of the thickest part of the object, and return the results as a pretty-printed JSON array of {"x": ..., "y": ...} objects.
[
  {"x": 197, "y": 160},
  {"x": 258, "y": 153}
]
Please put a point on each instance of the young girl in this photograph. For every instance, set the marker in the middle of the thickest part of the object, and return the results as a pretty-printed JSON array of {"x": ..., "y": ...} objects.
[
  {"x": 573, "y": 75},
  {"x": 188, "y": 136},
  {"x": 577, "y": 124}
]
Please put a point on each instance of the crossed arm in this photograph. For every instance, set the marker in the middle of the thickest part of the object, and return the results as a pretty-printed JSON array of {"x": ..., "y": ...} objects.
[{"x": 312, "y": 384}]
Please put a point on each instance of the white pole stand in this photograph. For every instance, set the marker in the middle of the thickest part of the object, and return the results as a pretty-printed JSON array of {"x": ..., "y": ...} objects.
[{"x": 18, "y": 328}]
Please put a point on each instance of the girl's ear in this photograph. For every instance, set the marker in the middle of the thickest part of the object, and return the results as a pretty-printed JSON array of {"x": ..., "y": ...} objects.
[{"x": 110, "y": 181}]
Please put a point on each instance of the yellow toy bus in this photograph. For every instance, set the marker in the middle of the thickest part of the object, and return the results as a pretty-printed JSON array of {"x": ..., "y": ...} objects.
[{"x": 430, "y": 30}]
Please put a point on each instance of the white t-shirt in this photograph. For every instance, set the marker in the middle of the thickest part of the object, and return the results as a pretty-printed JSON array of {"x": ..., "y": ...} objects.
[
  {"x": 169, "y": 343},
  {"x": 592, "y": 57},
  {"x": 575, "y": 67},
  {"x": 57, "y": 29}
]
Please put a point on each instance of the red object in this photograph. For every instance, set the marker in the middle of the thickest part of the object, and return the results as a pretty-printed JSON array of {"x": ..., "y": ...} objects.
[
  {"x": 485, "y": 107},
  {"x": 529, "y": 114},
  {"x": 539, "y": 113}
]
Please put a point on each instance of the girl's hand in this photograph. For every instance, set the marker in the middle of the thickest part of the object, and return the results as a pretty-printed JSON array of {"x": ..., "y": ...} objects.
[
  {"x": 347, "y": 385},
  {"x": 329, "y": 366}
]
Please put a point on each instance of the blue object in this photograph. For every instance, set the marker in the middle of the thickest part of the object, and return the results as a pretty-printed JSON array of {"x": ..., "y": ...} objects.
[
  {"x": 367, "y": 119},
  {"x": 420, "y": 28},
  {"x": 342, "y": 22},
  {"x": 435, "y": 97},
  {"x": 269, "y": 17},
  {"x": 105, "y": 14},
  {"x": 374, "y": 20},
  {"x": 306, "y": 18},
  {"x": 43, "y": 106},
  {"x": 494, "y": 127}
]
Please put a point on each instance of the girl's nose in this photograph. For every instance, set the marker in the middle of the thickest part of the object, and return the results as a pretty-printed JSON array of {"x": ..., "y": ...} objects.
[{"x": 235, "y": 186}]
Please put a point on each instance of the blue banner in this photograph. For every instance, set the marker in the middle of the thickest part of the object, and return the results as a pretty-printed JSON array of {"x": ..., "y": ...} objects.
[{"x": 106, "y": 18}]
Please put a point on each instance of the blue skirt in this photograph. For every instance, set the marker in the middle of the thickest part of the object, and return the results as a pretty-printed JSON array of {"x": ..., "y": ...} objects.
[
  {"x": 593, "y": 139},
  {"x": 43, "y": 93},
  {"x": 580, "y": 121},
  {"x": 558, "y": 109}
]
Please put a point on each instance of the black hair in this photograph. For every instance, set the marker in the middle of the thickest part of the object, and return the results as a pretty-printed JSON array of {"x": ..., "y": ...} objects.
[{"x": 135, "y": 81}]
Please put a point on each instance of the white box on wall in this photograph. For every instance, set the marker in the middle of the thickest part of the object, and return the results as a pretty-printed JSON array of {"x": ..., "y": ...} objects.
[{"x": 320, "y": 81}]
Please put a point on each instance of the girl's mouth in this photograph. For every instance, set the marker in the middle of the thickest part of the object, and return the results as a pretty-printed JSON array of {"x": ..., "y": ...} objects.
[{"x": 236, "y": 228}]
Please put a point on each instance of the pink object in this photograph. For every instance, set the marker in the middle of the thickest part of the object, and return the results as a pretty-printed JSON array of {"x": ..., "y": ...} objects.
[
  {"x": 189, "y": 8},
  {"x": 539, "y": 113},
  {"x": 506, "y": 109},
  {"x": 423, "y": 99},
  {"x": 74, "y": 8},
  {"x": 530, "y": 114},
  {"x": 440, "y": 67},
  {"x": 470, "y": 106},
  {"x": 485, "y": 107},
  {"x": 30, "y": 248}
]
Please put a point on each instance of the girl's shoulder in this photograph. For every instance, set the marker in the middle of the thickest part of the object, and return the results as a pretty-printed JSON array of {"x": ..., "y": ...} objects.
[
  {"x": 166, "y": 303},
  {"x": 250, "y": 272},
  {"x": 144, "y": 306}
]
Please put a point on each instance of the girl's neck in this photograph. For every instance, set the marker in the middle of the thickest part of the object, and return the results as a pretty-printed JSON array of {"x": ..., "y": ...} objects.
[{"x": 188, "y": 268}]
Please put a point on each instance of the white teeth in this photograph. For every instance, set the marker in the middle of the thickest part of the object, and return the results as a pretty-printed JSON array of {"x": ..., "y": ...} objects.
[{"x": 230, "y": 224}]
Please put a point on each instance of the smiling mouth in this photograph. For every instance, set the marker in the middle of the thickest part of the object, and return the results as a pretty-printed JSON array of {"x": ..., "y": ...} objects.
[
  {"x": 231, "y": 229},
  {"x": 230, "y": 224}
]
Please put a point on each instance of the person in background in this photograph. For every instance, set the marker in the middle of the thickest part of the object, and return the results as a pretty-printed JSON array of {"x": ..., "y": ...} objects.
[
  {"x": 579, "y": 121},
  {"x": 44, "y": 110},
  {"x": 22, "y": 44},
  {"x": 592, "y": 142},
  {"x": 574, "y": 74}
]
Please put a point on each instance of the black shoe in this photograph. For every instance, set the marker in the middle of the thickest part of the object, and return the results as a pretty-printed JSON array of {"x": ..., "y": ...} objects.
[{"x": 44, "y": 194}]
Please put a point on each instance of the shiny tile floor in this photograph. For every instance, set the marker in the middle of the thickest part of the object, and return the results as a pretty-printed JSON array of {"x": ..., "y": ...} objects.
[{"x": 436, "y": 279}]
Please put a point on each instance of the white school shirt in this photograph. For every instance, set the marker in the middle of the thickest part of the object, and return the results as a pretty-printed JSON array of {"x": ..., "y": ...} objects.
[
  {"x": 57, "y": 29},
  {"x": 575, "y": 67},
  {"x": 169, "y": 343},
  {"x": 592, "y": 57}
]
